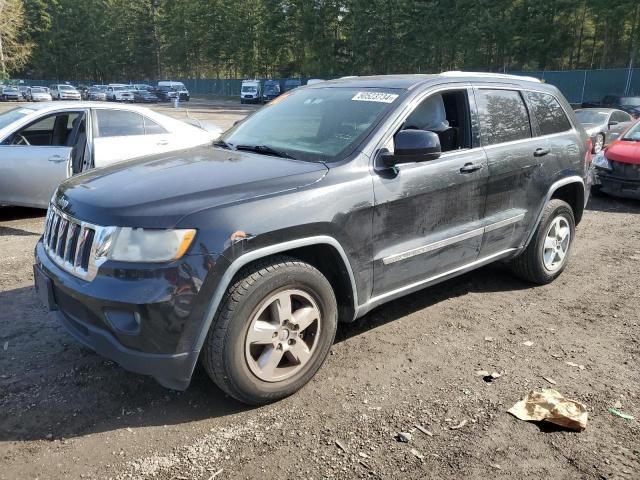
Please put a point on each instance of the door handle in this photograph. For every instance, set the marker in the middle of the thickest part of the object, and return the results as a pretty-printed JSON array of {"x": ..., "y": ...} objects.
[
  {"x": 163, "y": 142},
  {"x": 470, "y": 168},
  {"x": 57, "y": 159},
  {"x": 541, "y": 152}
]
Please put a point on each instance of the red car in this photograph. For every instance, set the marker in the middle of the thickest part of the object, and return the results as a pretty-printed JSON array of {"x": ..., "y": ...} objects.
[{"x": 617, "y": 167}]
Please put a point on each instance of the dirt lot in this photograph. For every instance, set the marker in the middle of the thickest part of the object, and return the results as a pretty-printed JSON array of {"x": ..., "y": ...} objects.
[{"x": 67, "y": 413}]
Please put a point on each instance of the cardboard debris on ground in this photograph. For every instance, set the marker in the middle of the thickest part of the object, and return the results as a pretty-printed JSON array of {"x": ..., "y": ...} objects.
[{"x": 549, "y": 405}]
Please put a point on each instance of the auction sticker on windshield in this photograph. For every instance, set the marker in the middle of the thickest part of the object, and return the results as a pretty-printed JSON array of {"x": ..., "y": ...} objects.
[{"x": 375, "y": 97}]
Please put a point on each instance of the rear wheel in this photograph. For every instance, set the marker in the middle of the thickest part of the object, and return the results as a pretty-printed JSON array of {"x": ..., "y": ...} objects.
[
  {"x": 548, "y": 252},
  {"x": 272, "y": 332}
]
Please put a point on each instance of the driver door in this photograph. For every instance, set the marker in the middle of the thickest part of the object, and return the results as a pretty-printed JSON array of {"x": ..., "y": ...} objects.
[{"x": 35, "y": 159}]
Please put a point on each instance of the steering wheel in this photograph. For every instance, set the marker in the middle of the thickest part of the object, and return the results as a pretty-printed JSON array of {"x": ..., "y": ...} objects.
[{"x": 21, "y": 140}]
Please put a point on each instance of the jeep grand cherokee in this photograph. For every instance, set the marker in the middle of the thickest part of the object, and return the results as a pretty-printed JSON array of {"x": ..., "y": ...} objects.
[{"x": 327, "y": 202}]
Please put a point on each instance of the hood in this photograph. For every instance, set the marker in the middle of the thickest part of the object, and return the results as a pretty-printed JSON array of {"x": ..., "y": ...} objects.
[
  {"x": 625, "y": 151},
  {"x": 157, "y": 191}
]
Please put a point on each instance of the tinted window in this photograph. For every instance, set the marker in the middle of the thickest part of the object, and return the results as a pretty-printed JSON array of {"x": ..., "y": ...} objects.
[
  {"x": 119, "y": 123},
  {"x": 503, "y": 116},
  {"x": 620, "y": 117},
  {"x": 549, "y": 114},
  {"x": 152, "y": 128}
]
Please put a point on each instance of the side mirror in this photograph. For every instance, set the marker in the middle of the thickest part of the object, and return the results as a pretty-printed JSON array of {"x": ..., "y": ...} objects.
[
  {"x": 613, "y": 123},
  {"x": 413, "y": 146}
]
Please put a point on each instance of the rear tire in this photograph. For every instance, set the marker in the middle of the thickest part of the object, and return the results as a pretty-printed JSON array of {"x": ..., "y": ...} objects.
[
  {"x": 547, "y": 254},
  {"x": 263, "y": 347}
]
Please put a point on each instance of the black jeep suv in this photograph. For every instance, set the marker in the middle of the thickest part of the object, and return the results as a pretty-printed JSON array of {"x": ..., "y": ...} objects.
[{"x": 322, "y": 205}]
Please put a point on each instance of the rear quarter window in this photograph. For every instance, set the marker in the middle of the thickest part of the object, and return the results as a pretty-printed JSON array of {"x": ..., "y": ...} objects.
[
  {"x": 503, "y": 116},
  {"x": 549, "y": 114}
]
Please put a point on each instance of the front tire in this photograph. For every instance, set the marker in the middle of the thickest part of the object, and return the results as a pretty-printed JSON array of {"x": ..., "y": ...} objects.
[
  {"x": 547, "y": 254},
  {"x": 272, "y": 332}
]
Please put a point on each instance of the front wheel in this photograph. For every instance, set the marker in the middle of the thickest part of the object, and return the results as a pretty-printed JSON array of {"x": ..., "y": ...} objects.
[
  {"x": 273, "y": 331},
  {"x": 547, "y": 254}
]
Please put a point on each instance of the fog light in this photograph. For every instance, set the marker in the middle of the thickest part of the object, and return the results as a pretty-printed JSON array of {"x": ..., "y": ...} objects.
[{"x": 123, "y": 321}]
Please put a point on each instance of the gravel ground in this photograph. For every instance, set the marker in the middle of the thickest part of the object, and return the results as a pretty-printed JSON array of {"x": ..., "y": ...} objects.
[{"x": 67, "y": 413}]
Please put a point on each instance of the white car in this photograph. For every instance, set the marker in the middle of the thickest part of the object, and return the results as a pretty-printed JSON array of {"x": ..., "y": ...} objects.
[
  {"x": 64, "y": 92},
  {"x": 119, "y": 93},
  {"x": 43, "y": 144},
  {"x": 38, "y": 94}
]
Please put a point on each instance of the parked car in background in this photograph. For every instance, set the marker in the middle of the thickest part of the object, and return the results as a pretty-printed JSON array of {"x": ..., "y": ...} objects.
[
  {"x": 165, "y": 93},
  {"x": 84, "y": 92},
  {"x": 245, "y": 255},
  {"x": 38, "y": 94},
  {"x": 291, "y": 83},
  {"x": 64, "y": 92},
  {"x": 603, "y": 125},
  {"x": 178, "y": 87},
  {"x": 144, "y": 96},
  {"x": 617, "y": 167},
  {"x": 10, "y": 94},
  {"x": 98, "y": 93},
  {"x": 42, "y": 144},
  {"x": 23, "y": 91},
  {"x": 141, "y": 86},
  {"x": 270, "y": 90},
  {"x": 250, "y": 91},
  {"x": 117, "y": 92},
  {"x": 627, "y": 104}
]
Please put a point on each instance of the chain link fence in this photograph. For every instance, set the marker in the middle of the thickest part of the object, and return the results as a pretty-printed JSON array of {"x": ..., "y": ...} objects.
[{"x": 578, "y": 86}]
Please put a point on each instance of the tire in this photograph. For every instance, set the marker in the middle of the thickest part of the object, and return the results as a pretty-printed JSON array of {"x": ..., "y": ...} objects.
[
  {"x": 598, "y": 145},
  {"x": 229, "y": 357},
  {"x": 531, "y": 264}
]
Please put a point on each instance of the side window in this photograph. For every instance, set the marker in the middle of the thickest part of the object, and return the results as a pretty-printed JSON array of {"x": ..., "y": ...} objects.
[
  {"x": 446, "y": 114},
  {"x": 52, "y": 130},
  {"x": 620, "y": 117},
  {"x": 119, "y": 123},
  {"x": 152, "y": 128},
  {"x": 503, "y": 116},
  {"x": 549, "y": 114}
]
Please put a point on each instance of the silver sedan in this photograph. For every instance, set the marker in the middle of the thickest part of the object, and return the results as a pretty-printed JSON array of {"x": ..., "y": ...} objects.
[
  {"x": 43, "y": 144},
  {"x": 603, "y": 125}
]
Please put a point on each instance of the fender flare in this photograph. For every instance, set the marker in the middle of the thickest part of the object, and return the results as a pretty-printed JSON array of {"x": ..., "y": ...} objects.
[
  {"x": 555, "y": 186},
  {"x": 257, "y": 254}
]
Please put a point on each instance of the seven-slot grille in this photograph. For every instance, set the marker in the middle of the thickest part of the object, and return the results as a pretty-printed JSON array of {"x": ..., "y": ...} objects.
[{"x": 68, "y": 242}]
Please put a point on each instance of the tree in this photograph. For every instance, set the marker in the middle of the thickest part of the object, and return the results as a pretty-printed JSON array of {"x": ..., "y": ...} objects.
[{"x": 14, "y": 50}]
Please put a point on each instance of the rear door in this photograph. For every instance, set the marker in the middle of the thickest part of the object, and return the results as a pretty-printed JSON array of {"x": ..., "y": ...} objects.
[
  {"x": 515, "y": 158},
  {"x": 618, "y": 124},
  {"x": 120, "y": 135}
]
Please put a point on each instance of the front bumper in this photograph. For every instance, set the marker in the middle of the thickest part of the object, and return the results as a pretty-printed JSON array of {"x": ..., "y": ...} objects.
[
  {"x": 620, "y": 182},
  {"x": 147, "y": 320}
]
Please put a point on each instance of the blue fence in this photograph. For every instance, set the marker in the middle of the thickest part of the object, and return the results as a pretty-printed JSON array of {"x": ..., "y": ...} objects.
[{"x": 578, "y": 86}]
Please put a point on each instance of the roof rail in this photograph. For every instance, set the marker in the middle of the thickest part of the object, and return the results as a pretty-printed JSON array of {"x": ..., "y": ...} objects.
[{"x": 458, "y": 73}]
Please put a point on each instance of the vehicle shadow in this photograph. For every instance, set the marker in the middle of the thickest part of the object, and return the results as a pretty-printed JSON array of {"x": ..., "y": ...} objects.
[
  {"x": 16, "y": 232},
  {"x": 605, "y": 203},
  {"x": 19, "y": 213},
  {"x": 52, "y": 387}
]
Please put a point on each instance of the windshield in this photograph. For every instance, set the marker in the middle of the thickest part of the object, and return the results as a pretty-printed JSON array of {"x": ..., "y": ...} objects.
[
  {"x": 38, "y": 90},
  {"x": 249, "y": 89},
  {"x": 590, "y": 116},
  {"x": 271, "y": 88},
  {"x": 13, "y": 115},
  {"x": 321, "y": 124},
  {"x": 630, "y": 101},
  {"x": 633, "y": 133},
  {"x": 66, "y": 87}
]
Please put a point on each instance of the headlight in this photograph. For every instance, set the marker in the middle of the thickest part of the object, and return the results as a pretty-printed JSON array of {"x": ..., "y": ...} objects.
[
  {"x": 601, "y": 161},
  {"x": 141, "y": 245}
]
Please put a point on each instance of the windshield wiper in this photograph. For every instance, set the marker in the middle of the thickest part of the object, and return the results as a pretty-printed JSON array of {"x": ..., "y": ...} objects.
[
  {"x": 222, "y": 144},
  {"x": 265, "y": 150}
]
